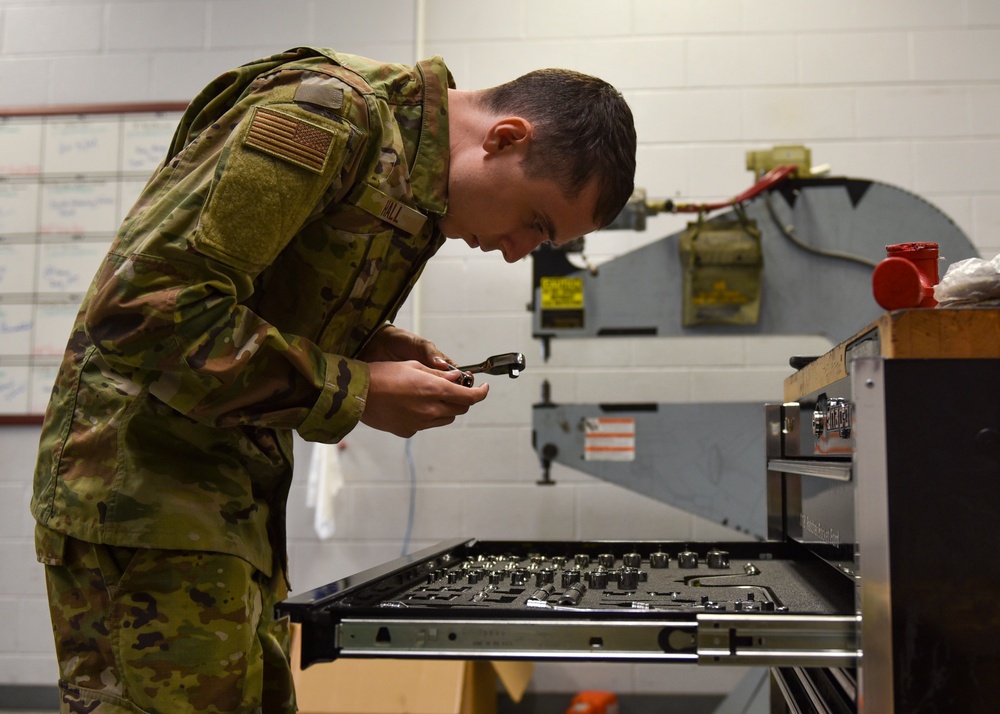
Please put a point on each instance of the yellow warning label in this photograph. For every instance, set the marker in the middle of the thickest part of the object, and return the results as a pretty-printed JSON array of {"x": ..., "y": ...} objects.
[
  {"x": 720, "y": 294},
  {"x": 562, "y": 293}
]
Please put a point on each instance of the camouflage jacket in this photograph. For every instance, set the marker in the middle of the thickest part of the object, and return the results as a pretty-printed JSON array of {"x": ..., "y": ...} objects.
[{"x": 296, "y": 209}]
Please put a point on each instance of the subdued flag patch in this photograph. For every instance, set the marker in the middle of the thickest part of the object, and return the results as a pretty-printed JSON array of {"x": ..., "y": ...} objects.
[{"x": 289, "y": 138}]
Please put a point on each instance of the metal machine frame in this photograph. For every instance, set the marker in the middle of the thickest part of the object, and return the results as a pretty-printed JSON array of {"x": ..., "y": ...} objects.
[{"x": 705, "y": 457}]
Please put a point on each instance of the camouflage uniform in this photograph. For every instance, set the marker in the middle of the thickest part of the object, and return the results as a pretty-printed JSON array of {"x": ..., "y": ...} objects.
[{"x": 294, "y": 213}]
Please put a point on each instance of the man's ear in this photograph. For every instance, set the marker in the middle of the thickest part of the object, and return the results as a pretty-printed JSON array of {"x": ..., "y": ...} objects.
[{"x": 507, "y": 133}]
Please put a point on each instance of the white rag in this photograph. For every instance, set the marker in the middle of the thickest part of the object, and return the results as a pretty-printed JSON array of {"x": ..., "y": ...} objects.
[
  {"x": 325, "y": 479},
  {"x": 970, "y": 282}
]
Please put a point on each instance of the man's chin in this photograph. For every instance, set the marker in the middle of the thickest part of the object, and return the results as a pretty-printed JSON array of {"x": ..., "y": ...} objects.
[{"x": 470, "y": 240}]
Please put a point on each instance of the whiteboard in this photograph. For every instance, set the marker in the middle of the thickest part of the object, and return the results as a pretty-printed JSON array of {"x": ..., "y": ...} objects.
[{"x": 68, "y": 177}]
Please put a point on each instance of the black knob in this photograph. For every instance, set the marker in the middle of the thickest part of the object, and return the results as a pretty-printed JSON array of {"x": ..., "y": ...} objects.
[
  {"x": 659, "y": 560},
  {"x": 687, "y": 559},
  {"x": 569, "y": 577},
  {"x": 542, "y": 593},
  {"x": 545, "y": 576},
  {"x": 573, "y": 595},
  {"x": 718, "y": 559},
  {"x": 628, "y": 579}
]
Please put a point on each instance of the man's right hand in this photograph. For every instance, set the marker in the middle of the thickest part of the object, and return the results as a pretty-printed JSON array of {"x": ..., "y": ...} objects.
[{"x": 406, "y": 397}]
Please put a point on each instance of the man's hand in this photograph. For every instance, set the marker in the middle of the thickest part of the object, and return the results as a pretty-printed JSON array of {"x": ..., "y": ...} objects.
[
  {"x": 406, "y": 397},
  {"x": 394, "y": 344}
]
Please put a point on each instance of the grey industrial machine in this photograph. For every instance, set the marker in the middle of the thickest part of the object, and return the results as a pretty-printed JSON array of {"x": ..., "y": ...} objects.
[{"x": 820, "y": 239}]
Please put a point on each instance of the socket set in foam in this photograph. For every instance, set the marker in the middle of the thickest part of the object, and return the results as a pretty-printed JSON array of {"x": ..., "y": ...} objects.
[{"x": 654, "y": 580}]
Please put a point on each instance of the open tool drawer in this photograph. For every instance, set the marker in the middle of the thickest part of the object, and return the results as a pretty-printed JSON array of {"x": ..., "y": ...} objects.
[{"x": 765, "y": 603}]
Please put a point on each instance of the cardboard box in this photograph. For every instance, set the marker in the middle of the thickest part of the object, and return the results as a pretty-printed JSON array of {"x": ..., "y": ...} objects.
[{"x": 404, "y": 686}]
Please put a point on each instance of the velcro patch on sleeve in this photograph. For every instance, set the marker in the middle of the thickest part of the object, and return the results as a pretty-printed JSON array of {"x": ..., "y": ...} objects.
[{"x": 289, "y": 138}]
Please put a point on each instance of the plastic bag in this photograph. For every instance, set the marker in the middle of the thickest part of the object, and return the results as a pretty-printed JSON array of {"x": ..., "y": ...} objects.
[{"x": 970, "y": 282}]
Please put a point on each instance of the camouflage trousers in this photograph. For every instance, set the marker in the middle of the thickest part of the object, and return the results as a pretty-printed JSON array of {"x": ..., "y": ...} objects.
[{"x": 144, "y": 630}]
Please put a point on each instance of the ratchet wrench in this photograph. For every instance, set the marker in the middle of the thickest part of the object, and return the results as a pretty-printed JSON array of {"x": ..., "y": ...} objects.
[{"x": 509, "y": 363}]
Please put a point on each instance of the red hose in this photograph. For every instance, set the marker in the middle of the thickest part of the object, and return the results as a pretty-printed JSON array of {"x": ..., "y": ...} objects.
[{"x": 767, "y": 181}]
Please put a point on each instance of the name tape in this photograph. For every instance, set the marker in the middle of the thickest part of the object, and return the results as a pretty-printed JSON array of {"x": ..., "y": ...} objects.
[{"x": 391, "y": 211}]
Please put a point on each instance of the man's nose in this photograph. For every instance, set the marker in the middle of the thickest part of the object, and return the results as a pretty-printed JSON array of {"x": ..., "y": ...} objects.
[{"x": 520, "y": 245}]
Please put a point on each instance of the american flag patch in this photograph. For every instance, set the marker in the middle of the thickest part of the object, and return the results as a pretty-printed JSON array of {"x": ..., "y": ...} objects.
[{"x": 289, "y": 138}]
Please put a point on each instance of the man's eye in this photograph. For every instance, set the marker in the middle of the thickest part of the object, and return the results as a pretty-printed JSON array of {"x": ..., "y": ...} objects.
[{"x": 537, "y": 225}]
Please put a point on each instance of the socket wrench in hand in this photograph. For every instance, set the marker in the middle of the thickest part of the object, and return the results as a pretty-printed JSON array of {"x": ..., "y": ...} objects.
[{"x": 509, "y": 363}]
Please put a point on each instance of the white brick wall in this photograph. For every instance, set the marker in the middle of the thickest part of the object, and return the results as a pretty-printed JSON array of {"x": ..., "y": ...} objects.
[
  {"x": 73, "y": 28},
  {"x": 134, "y": 27},
  {"x": 903, "y": 91}
]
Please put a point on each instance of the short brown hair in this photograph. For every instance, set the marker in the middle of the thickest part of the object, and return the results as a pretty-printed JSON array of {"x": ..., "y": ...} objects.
[{"x": 583, "y": 129}]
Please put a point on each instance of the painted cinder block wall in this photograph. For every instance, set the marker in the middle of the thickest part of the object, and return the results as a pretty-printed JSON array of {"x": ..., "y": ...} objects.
[{"x": 902, "y": 91}]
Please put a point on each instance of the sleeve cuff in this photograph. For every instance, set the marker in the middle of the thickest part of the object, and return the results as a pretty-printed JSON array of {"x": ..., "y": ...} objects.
[{"x": 341, "y": 402}]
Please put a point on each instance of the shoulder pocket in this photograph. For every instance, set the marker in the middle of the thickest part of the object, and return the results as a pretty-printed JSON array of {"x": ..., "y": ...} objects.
[{"x": 273, "y": 172}]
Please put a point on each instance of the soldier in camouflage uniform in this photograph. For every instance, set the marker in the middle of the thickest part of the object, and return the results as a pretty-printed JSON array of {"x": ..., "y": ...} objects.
[{"x": 250, "y": 293}]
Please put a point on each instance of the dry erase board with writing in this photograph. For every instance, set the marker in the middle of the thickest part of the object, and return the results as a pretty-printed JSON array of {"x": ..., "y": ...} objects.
[{"x": 68, "y": 176}]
